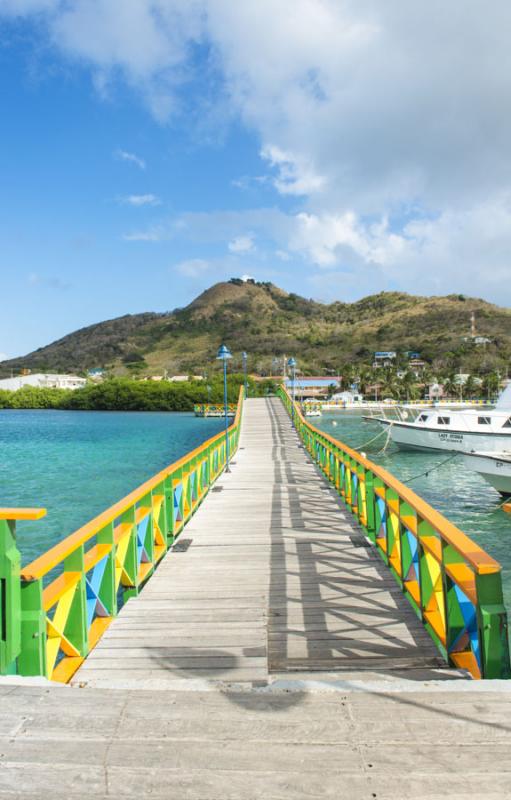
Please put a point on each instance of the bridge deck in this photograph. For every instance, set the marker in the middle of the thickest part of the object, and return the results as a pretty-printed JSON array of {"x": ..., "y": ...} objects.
[{"x": 272, "y": 575}]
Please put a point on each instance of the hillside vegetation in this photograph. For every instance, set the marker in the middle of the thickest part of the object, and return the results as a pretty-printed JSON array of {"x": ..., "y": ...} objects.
[{"x": 268, "y": 322}]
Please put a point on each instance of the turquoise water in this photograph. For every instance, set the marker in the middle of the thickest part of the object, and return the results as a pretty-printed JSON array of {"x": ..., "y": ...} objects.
[
  {"x": 77, "y": 463},
  {"x": 462, "y": 496}
]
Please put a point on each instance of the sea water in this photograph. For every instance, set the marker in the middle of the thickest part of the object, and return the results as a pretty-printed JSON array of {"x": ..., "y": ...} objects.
[
  {"x": 443, "y": 481},
  {"x": 78, "y": 463}
]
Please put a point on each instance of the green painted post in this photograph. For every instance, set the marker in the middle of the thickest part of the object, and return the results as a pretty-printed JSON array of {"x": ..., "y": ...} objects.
[
  {"x": 130, "y": 562},
  {"x": 107, "y": 593},
  {"x": 10, "y": 598},
  {"x": 169, "y": 508},
  {"x": 76, "y": 625},
  {"x": 492, "y": 624},
  {"x": 371, "y": 524},
  {"x": 32, "y": 658}
]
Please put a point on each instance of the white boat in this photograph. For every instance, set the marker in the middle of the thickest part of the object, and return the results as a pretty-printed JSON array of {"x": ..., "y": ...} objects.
[
  {"x": 493, "y": 467},
  {"x": 467, "y": 430},
  {"x": 311, "y": 410}
]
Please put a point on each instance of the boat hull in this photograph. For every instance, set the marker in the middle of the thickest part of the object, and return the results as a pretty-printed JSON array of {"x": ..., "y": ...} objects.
[
  {"x": 415, "y": 438},
  {"x": 496, "y": 471}
]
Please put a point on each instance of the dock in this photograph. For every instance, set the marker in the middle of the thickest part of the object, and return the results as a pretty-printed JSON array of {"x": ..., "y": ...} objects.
[{"x": 271, "y": 654}]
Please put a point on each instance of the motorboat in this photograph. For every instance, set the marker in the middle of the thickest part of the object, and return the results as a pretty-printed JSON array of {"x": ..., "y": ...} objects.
[
  {"x": 495, "y": 468},
  {"x": 467, "y": 430},
  {"x": 311, "y": 409}
]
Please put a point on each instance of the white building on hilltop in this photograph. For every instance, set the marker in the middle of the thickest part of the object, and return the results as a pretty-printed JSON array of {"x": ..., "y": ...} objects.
[{"x": 43, "y": 381}]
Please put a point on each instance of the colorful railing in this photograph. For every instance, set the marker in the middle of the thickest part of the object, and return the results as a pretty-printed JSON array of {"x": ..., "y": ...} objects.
[
  {"x": 453, "y": 585},
  {"x": 54, "y": 610},
  {"x": 214, "y": 410}
]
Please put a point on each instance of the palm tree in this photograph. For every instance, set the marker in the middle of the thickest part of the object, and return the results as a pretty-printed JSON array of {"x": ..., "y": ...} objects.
[
  {"x": 491, "y": 384},
  {"x": 450, "y": 385},
  {"x": 470, "y": 387},
  {"x": 409, "y": 384}
]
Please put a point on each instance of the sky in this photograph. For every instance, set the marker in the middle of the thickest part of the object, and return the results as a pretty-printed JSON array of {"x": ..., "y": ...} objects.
[{"x": 338, "y": 148}]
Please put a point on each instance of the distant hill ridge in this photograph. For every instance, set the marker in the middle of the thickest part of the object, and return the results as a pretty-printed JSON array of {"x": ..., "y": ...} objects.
[{"x": 266, "y": 321}]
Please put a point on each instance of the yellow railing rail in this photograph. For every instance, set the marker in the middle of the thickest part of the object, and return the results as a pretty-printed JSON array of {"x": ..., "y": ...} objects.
[{"x": 454, "y": 586}]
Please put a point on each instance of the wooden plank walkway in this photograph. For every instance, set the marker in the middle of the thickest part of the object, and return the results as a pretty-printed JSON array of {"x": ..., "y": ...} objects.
[{"x": 271, "y": 576}]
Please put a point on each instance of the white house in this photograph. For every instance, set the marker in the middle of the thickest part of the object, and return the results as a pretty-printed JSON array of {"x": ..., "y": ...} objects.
[
  {"x": 347, "y": 397},
  {"x": 43, "y": 381}
]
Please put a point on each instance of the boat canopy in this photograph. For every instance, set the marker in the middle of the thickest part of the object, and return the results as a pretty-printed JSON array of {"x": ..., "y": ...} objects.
[{"x": 504, "y": 401}]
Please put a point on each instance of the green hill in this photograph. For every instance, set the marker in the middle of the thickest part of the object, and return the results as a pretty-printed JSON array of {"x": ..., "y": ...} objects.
[{"x": 268, "y": 322}]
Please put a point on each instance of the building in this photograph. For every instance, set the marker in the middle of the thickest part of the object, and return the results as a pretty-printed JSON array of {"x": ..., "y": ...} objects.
[
  {"x": 384, "y": 358},
  {"x": 43, "y": 381},
  {"x": 347, "y": 398},
  {"x": 182, "y": 378},
  {"x": 96, "y": 374},
  {"x": 435, "y": 391},
  {"x": 312, "y": 388}
]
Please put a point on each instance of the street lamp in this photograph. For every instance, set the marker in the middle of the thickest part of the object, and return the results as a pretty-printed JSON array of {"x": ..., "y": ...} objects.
[
  {"x": 244, "y": 360},
  {"x": 292, "y": 366},
  {"x": 224, "y": 355}
]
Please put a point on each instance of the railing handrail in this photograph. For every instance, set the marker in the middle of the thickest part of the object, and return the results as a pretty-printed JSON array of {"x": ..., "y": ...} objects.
[
  {"x": 463, "y": 544},
  {"x": 44, "y": 563},
  {"x": 22, "y": 513}
]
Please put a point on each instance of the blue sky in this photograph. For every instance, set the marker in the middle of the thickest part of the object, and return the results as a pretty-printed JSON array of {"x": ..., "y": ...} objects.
[{"x": 150, "y": 149}]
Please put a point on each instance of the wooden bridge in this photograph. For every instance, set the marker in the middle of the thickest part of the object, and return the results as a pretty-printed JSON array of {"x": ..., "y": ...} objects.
[
  {"x": 278, "y": 650},
  {"x": 270, "y": 576}
]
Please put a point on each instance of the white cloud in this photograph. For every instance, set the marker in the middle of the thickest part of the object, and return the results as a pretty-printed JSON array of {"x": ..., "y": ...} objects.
[
  {"x": 327, "y": 238},
  {"x": 124, "y": 155},
  {"x": 295, "y": 175},
  {"x": 3, "y": 357},
  {"x": 138, "y": 200},
  {"x": 23, "y": 7},
  {"x": 152, "y": 235},
  {"x": 242, "y": 244},
  {"x": 193, "y": 267},
  {"x": 47, "y": 282}
]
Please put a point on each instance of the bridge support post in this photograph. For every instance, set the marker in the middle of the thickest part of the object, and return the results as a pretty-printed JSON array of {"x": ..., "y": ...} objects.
[
  {"x": 12, "y": 636},
  {"x": 492, "y": 623},
  {"x": 10, "y": 598}
]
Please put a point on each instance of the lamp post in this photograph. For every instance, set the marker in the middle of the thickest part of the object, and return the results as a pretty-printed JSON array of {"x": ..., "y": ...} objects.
[
  {"x": 292, "y": 366},
  {"x": 244, "y": 360},
  {"x": 224, "y": 355}
]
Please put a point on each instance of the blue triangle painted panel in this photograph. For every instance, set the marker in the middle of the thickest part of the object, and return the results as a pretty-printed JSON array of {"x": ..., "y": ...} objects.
[
  {"x": 178, "y": 493},
  {"x": 141, "y": 534},
  {"x": 468, "y": 612},
  {"x": 95, "y": 606},
  {"x": 414, "y": 571}
]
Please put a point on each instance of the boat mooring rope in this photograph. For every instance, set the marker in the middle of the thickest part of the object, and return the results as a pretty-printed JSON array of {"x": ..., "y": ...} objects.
[
  {"x": 360, "y": 446},
  {"x": 431, "y": 469}
]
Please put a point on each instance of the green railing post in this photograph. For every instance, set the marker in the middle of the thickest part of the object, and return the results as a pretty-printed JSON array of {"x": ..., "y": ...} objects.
[
  {"x": 10, "y": 598},
  {"x": 10, "y": 586},
  {"x": 370, "y": 499},
  {"x": 492, "y": 623},
  {"x": 32, "y": 659}
]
